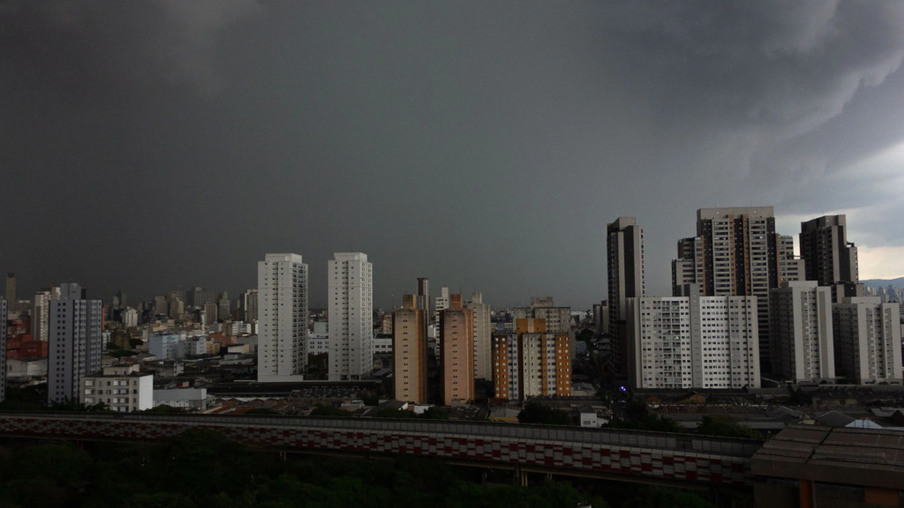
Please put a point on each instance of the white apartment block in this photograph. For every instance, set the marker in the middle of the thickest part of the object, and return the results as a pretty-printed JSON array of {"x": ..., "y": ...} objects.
[
  {"x": 121, "y": 388},
  {"x": 282, "y": 285},
  {"x": 383, "y": 343},
  {"x": 440, "y": 303},
  {"x": 483, "y": 337},
  {"x": 804, "y": 346},
  {"x": 350, "y": 316},
  {"x": 129, "y": 317},
  {"x": 164, "y": 345},
  {"x": 76, "y": 343},
  {"x": 682, "y": 342},
  {"x": 867, "y": 340},
  {"x": 193, "y": 346},
  {"x": 318, "y": 344}
]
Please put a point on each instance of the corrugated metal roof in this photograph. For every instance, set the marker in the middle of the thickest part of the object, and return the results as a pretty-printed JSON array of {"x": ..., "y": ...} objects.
[{"x": 851, "y": 456}]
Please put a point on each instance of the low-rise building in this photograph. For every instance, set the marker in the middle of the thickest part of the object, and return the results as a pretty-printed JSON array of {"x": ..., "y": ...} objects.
[
  {"x": 193, "y": 399},
  {"x": 122, "y": 388}
]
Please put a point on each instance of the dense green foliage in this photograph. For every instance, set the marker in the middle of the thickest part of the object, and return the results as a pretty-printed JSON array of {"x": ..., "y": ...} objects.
[
  {"x": 435, "y": 413},
  {"x": 534, "y": 412},
  {"x": 203, "y": 468},
  {"x": 638, "y": 417},
  {"x": 328, "y": 410},
  {"x": 721, "y": 426}
]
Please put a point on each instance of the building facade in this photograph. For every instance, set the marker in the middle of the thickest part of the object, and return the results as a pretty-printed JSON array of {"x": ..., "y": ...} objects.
[
  {"x": 164, "y": 345},
  {"x": 456, "y": 325},
  {"x": 483, "y": 337},
  {"x": 350, "y": 316},
  {"x": 122, "y": 389},
  {"x": 738, "y": 253},
  {"x": 40, "y": 316},
  {"x": 531, "y": 362},
  {"x": 830, "y": 259},
  {"x": 625, "y": 277},
  {"x": 75, "y": 345},
  {"x": 282, "y": 283},
  {"x": 409, "y": 352},
  {"x": 695, "y": 341},
  {"x": 867, "y": 340},
  {"x": 829, "y": 256},
  {"x": 804, "y": 347},
  {"x": 423, "y": 295}
]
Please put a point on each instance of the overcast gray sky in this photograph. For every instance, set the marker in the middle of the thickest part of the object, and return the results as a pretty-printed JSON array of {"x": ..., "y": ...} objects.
[{"x": 165, "y": 144}]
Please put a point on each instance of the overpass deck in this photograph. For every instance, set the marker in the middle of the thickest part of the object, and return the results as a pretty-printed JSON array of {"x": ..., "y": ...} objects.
[{"x": 601, "y": 452}]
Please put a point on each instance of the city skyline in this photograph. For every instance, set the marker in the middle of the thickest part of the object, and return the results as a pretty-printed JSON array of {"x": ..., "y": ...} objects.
[{"x": 162, "y": 145}]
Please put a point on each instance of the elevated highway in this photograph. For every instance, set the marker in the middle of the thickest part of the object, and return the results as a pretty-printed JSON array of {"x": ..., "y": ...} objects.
[{"x": 693, "y": 461}]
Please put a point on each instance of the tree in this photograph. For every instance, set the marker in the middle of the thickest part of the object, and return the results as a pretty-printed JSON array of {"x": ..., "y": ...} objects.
[
  {"x": 435, "y": 413},
  {"x": 721, "y": 426},
  {"x": 395, "y": 413},
  {"x": 328, "y": 410},
  {"x": 535, "y": 412}
]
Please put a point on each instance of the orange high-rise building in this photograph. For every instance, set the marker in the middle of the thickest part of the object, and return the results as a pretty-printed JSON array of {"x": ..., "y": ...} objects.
[
  {"x": 409, "y": 352},
  {"x": 531, "y": 362},
  {"x": 457, "y": 343}
]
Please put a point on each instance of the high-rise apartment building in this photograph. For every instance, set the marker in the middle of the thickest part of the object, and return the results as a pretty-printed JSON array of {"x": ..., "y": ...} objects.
[
  {"x": 867, "y": 340},
  {"x": 423, "y": 295},
  {"x": 804, "y": 345},
  {"x": 456, "y": 325},
  {"x": 830, "y": 259},
  {"x": 483, "y": 337},
  {"x": 209, "y": 315},
  {"x": 249, "y": 306},
  {"x": 625, "y": 276},
  {"x": 224, "y": 307},
  {"x": 76, "y": 343},
  {"x": 350, "y": 316},
  {"x": 829, "y": 256},
  {"x": 40, "y": 316},
  {"x": 282, "y": 284},
  {"x": 557, "y": 319},
  {"x": 531, "y": 362},
  {"x": 737, "y": 253},
  {"x": 409, "y": 352},
  {"x": 440, "y": 303},
  {"x": 694, "y": 341}
]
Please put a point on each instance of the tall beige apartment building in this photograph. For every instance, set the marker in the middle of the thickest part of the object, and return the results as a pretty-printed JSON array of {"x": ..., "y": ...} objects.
[
  {"x": 350, "y": 316},
  {"x": 457, "y": 359},
  {"x": 282, "y": 293},
  {"x": 483, "y": 337},
  {"x": 409, "y": 352}
]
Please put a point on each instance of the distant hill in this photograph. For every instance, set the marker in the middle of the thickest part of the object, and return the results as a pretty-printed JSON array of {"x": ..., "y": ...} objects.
[{"x": 884, "y": 283}]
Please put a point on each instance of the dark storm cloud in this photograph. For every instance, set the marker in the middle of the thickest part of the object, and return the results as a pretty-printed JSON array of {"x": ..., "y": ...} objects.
[{"x": 158, "y": 145}]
